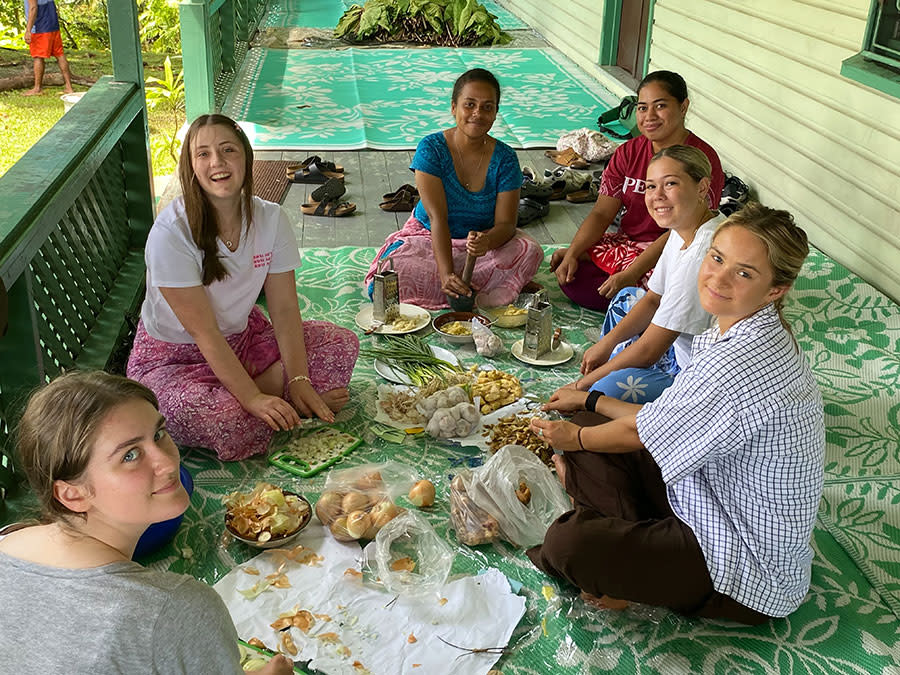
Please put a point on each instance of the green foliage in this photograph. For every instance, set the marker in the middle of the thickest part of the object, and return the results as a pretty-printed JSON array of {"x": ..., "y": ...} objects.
[
  {"x": 168, "y": 94},
  {"x": 159, "y": 26},
  {"x": 451, "y": 23},
  {"x": 84, "y": 23}
]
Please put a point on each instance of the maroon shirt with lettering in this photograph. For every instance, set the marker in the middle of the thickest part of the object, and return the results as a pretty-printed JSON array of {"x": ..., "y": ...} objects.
[{"x": 625, "y": 176}]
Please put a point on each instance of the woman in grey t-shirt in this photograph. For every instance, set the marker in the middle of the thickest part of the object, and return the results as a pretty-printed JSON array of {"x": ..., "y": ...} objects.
[{"x": 95, "y": 450}]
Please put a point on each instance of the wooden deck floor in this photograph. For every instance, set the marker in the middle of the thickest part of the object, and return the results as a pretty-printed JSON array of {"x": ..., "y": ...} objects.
[{"x": 372, "y": 173}]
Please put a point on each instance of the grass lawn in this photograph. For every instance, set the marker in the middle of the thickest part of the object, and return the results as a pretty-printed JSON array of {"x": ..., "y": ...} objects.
[{"x": 24, "y": 119}]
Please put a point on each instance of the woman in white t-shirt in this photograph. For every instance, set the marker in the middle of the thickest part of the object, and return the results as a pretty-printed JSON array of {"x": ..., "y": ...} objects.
[
  {"x": 226, "y": 377},
  {"x": 647, "y": 335}
]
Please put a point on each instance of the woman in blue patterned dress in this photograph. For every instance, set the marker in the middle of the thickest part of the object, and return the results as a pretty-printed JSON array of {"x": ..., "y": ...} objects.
[{"x": 469, "y": 186}]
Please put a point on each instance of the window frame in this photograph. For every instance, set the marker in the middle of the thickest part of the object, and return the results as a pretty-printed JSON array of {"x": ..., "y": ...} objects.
[{"x": 869, "y": 66}]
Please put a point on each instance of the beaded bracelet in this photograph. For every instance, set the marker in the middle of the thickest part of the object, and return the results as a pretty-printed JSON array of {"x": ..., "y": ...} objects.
[
  {"x": 580, "y": 444},
  {"x": 299, "y": 378}
]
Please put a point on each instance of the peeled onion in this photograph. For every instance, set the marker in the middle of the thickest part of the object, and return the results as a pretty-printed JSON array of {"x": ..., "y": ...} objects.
[
  {"x": 384, "y": 512},
  {"x": 369, "y": 481},
  {"x": 329, "y": 507},
  {"x": 422, "y": 493},
  {"x": 358, "y": 524},
  {"x": 339, "y": 529},
  {"x": 355, "y": 501}
]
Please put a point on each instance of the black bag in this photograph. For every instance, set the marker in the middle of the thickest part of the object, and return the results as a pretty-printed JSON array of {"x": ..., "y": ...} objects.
[{"x": 620, "y": 122}]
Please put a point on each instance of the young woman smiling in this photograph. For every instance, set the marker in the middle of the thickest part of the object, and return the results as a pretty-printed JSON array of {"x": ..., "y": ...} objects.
[
  {"x": 597, "y": 264},
  {"x": 704, "y": 500},
  {"x": 225, "y": 376},
  {"x": 469, "y": 186},
  {"x": 99, "y": 459},
  {"x": 647, "y": 335}
]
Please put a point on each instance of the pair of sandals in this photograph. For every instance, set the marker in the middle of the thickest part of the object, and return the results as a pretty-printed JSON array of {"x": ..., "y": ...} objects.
[
  {"x": 325, "y": 200},
  {"x": 564, "y": 181},
  {"x": 314, "y": 170},
  {"x": 403, "y": 198}
]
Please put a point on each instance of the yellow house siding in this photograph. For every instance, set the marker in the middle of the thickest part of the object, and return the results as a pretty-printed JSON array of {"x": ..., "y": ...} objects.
[
  {"x": 572, "y": 26},
  {"x": 767, "y": 93}
]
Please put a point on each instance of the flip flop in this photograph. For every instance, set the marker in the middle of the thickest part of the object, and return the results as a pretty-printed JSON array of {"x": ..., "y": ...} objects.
[
  {"x": 313, "y": 173},
  {"x": 314, "y": 159},
  {"x": 568, "y": 157},
  {"x": 329, "y": 192},
  {"x": 530, "y": 210},
  {"x": 332, "y": 208}
]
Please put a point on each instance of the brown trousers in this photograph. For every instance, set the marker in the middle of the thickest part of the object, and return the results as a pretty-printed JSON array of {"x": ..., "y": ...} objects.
[{"x": 623, "y": 540}]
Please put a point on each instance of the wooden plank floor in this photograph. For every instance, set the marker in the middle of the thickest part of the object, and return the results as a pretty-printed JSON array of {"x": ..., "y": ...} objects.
[{"x": 372, "y": 173}]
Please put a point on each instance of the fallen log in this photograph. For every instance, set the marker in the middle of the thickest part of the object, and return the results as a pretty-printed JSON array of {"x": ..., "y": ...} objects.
[{"x": 26, "y": 81}]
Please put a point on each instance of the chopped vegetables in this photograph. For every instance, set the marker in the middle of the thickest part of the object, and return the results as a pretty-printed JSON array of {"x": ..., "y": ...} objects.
[
  {"x": 314, "y": 450},
  {"x": 457, "y": 328},
  {"x": 496, "y": 389},
  {"x": 514, "y": 430}
]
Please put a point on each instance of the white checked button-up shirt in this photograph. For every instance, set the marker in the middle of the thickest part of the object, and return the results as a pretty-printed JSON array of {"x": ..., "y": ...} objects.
[{"x": 740, "y": 440}]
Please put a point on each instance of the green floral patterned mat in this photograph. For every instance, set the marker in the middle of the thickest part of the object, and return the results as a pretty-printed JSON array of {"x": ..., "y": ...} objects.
[
  {"x": 326, "y": 13},
  {"x": 847, "y": 625},
  {"x": 389, "y": 99}
]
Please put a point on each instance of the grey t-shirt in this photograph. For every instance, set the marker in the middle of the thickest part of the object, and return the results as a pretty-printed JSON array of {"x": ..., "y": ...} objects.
[{"x": 118, "y": 618}]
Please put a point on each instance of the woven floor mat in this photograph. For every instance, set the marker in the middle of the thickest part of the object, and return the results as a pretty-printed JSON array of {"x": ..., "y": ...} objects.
[{"x": 270, "y": 179}]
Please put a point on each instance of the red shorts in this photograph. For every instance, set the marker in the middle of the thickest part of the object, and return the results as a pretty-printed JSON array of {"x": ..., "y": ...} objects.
[{"x": 44, "y": 45}]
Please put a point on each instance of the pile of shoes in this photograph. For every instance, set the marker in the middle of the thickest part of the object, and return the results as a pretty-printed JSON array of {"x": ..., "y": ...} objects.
[
  {"x": 567, "y": 181},
  {"x": 403, "y": 198},
  {"x": 324, "y": 200},
  {"x": 735, "y": 194}
]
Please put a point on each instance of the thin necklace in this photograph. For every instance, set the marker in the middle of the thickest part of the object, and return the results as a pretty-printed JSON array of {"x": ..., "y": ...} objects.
[{"x": 459, "y": 153}]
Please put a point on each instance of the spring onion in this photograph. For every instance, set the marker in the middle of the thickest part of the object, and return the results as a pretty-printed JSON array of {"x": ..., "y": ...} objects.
[{"x": 412, "y": 356}]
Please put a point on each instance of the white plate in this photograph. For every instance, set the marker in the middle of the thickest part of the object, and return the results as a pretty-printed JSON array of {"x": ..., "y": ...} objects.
[
  {"x": 396, "y": 376},
  {"x": 364, "y": 319},
  {"x": 561, "y": 354}
]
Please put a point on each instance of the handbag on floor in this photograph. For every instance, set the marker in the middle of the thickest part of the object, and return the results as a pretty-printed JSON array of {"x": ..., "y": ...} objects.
[{"x": 620, "y": 122}]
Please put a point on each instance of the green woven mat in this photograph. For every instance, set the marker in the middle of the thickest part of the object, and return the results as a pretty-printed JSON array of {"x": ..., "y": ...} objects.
[
  {"x": 327, "y": 13},
  {"x": 390, "y": 98},
  {"x": 845, "y": 625}
]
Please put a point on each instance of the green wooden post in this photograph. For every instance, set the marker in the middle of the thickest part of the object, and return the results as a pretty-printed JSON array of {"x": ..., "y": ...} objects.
[
  {"x": 227, "y": 27},
  {"x": 128, "y": 66},
  {"x": 199, "y": 75}
]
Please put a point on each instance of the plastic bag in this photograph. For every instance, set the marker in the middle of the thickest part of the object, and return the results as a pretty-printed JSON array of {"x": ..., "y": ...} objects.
[
  {"x": 409, "y": 556},
  {"x": 473, "y": 524},
  {"x": 486, "y": 343},
  {"x": 358, "y": 501},
  {"x": 494, "y": 489},
  {"x": 590, "y": 144}
]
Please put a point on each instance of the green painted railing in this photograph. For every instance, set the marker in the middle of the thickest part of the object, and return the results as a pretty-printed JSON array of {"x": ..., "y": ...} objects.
[
  {"x": 74, "y": 216},
  {"x": 215, "y": 35}
]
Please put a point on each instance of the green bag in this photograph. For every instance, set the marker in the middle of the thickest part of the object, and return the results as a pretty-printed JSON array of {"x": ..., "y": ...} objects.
[{"x": 620, "y": 122}]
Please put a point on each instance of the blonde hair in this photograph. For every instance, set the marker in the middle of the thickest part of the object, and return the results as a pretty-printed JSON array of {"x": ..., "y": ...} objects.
[
  {"x": 695, "y": 162},
  {"x": 58, "y": 430},
  {"x": 200, "y": 215},
  {"x": 787, "y": 245}
]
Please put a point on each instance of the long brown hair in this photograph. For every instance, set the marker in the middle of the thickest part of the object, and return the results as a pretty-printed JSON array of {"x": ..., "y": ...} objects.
[
  {"x": 200, "y": 215},
  {"x": 58, "y": 431},
  {"x": 786, "y": 243}
]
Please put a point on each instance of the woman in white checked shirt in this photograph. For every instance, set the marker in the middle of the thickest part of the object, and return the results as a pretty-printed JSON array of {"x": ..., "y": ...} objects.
[{"x": 704, "y": 500}]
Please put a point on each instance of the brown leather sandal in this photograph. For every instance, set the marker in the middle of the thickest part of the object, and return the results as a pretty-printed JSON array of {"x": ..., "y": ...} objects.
[{"x": 568, "y": 157}]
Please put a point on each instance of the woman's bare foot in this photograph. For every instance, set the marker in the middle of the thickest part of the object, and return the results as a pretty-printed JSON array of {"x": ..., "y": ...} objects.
[
  {"x": 336, "y": 399},
  {"x": 33, "y": 92},
  {"x": 560, "y": 463},
  {"x": 604, "y": 601}
]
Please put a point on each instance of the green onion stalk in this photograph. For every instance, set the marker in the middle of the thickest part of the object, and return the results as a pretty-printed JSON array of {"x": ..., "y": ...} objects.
[{"x": 412, "y": 356}]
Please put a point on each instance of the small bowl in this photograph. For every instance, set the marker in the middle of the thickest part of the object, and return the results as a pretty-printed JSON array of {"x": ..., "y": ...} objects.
[
  {"x": 495, "y": 313},
  {"x": 442, "y": 320},
  {"x": 280, "y": 540}
]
